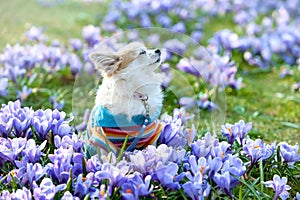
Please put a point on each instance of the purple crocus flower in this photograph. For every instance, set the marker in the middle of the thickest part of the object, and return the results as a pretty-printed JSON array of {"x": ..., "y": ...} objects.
[
  {"x": 280, "y": 187},
  {"x": 145, "y": 20},
  {"x": 23, "y": 194},
  {"x": 11, "y": 148},
  {"x": 190, "y": 134},
  {"x": 235, "y": 166},
  {"x": 179, "y": 27},
  {"x": 222, "y": 150},
  {"x": 237, "y": 131},
  {"x": 112, "y": 16},
  {"x": 285, "y": 72},
  {"x": 67, "y": 142},
  {"x": 223, "y": 181},
  {"x": 180, "y": 113},
  {"x": 198, "y": 166},
  {"x": 154, "y": 40},
  {"x": 214, "y": 165},
  {"x": 173, "y": 135},
  {"x": 138, "y": 160},
  {"x": 83, "y": 125},
  {"x": 225, "y": 39},
  {"x": 114, "y": 174},
  {"x": 30, "y": 173},
  {"x": 5, "y": 122},
  {"x": 54, "y": 56},
  {"x": 91, "y": 35},
  {"x": 32, "y": 151},
  {"x": 187, "y": 67},
  {"x": 243, "y": 129},
  {"x": 142, "y": 184},
  {"x": 69, "y": 196},
  {"x": 109, "y": 27},
  {"x": 146, "y": 161},
  {"x": 228, "y": 132},
  {"x": 60, "y": 166},
  {"x": 164, "y": 20},
  {"x": 75, "y": 64},
  {"x": 175, "y": 46},
  {"x": 5, "y": 194},
  {"x": 3, "y": 86},
  {"x": 288, "y": 153},
  {"x": 15, "y": 72},
  {"x": 82, "y": 186},
  {"x": 202, "y": 147},
  {"x": 35, "y": 34},
  {"x": 205, "y": 103},
  {"x": 129, "y": 191},
  {"x": 257, "y": 150},
  {"x": 42, "y": 122},
  {"x": 197, "y": 36},
  {"x": 24, "y": 93},
  {"x": 166, "y": 80},
  {"x": 60, "y": 126},
  {"x": 167, "y": 175},
  {"x": 47, "y": 189},
  {"x": 58, "y": 105},
  {"x": 21, "y": 121},
  {"x": 77, "y": 164},
  {"x": 187, "y": 102},
  {"x": 197, "y": 189},
  {"x": 93, "y": 164},
  {"x": 76, "y": 44}
]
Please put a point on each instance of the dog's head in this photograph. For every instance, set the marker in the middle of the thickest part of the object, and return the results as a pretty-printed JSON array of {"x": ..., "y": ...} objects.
[{"x": 133, "y": 56}]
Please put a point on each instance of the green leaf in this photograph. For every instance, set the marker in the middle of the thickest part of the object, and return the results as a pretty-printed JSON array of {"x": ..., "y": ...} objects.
[
  {"x": 122, "y": 149},
  {"x": 291, "y": 125},
  {"x": 249, "y": 186},
  {"x": 261, "y": 170}
]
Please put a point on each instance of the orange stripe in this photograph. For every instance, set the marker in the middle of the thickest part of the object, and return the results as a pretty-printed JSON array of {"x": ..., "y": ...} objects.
[
  {"x": 120, "y": 133},
  {"x": 146, "y": 141}
]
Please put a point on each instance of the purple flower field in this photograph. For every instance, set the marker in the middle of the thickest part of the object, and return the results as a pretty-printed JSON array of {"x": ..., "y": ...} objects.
[{"x": 42, "y": 152}]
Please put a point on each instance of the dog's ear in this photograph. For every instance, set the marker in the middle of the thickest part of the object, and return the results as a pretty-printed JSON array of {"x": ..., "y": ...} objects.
[{"x": 107, "y": 63}]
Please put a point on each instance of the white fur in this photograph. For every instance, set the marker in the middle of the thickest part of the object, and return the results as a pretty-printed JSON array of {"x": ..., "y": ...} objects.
[{"x": 119, "y": 85}]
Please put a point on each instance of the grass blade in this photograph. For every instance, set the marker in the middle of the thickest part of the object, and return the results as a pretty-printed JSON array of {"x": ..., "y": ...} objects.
[
  {"x": 261, "y": 170},
  {"x": 122, "y": 149},
  {"x": 249, "y": 186}
]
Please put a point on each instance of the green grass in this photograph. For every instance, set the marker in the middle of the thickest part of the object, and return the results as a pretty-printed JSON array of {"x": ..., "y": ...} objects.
[
  {"x": 266, "y": 100},
  {"x": 60, "y": 21}
]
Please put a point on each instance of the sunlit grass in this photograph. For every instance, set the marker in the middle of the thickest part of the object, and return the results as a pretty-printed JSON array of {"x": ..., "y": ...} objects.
[{"x": 60, "y": 21}]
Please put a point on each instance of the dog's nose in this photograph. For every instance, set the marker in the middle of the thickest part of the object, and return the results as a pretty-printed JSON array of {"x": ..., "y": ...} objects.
[{"x": 157, "y": 51}]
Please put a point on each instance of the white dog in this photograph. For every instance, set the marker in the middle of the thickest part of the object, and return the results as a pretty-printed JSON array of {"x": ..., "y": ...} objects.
[{"x": 128, "y": 101}]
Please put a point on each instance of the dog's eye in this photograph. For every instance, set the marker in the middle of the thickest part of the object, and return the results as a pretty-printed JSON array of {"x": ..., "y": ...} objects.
[{"x": 142, "y": 52}]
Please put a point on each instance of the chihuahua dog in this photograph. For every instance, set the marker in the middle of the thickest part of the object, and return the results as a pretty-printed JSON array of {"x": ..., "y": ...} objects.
[{"x": 129, "y": 100}]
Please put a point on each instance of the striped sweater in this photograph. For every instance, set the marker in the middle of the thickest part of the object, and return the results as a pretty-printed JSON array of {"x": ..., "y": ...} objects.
[{"x": 108, "y": 132}]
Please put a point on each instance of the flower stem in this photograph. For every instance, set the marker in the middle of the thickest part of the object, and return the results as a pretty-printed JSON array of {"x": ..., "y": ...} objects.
[
  {"x": 261, "y": 169},
  {"x": 183, "y": 195}
]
